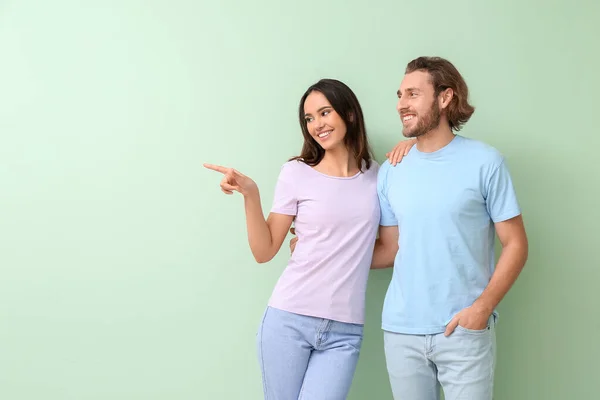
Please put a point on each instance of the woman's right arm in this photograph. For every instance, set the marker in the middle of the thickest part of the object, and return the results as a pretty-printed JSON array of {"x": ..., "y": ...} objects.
[{"x": 264, "y": 236}]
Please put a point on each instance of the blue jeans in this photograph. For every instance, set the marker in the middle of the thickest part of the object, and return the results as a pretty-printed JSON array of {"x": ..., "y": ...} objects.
[
  {"x": 307, "y": 358},
  {"x": 462, "y": 364}
]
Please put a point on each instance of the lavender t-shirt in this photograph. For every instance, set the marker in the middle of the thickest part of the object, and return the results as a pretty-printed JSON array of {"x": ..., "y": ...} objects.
[{"x": 336, "y": 223}]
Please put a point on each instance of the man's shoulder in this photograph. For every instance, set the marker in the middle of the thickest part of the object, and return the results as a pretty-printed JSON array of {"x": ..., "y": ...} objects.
[
  {"x": 384, "y": 169},
  {"x": 384, "y": 166},
  {"x": 481, "y": 152}
]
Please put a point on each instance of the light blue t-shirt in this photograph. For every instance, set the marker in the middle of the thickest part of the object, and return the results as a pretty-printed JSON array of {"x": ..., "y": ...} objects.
[{"x": 445, "y": 204}]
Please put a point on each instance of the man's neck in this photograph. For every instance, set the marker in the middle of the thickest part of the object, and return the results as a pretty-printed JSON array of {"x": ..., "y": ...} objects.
[{"x": 435, "y": 139}]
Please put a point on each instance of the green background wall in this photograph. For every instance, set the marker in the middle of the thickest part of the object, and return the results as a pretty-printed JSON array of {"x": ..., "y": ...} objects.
[{"x": 124, "y": 271}]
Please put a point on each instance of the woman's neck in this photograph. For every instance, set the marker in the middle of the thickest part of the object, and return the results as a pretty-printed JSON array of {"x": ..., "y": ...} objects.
[{"x": 338, "y": 162}]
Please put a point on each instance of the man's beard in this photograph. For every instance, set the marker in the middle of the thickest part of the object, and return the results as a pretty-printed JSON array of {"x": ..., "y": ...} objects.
[{"x": 426, "y": 123}]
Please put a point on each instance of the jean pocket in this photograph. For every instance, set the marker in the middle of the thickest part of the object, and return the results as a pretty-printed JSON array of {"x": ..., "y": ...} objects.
[
  {"x": 478, "y": 331},
  {"x": 473, "y": 331}
]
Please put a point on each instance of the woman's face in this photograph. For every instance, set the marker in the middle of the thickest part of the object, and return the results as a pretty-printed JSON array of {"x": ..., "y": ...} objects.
[{"x": 324, "y": 124}]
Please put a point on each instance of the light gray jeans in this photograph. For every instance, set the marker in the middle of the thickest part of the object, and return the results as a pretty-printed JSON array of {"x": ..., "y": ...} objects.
[{"x": 462, "y": 364}]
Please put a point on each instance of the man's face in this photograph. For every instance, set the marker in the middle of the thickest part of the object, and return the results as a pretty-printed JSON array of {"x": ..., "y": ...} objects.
[{"x": 417, "y": 104}]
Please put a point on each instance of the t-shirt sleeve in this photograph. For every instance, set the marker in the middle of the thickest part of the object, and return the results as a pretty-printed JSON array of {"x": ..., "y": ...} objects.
[
  {"x": 501, "y": 200},
  {"x": 387, "y": 215},
  {"x": 285, "y": 200}
]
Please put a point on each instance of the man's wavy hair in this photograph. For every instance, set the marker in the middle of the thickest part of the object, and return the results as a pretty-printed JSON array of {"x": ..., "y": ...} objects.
[{"x": 444, "y": 75}]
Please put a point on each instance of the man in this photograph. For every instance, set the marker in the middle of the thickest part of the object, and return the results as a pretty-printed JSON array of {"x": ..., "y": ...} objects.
[{"x": 440, "y": 210}]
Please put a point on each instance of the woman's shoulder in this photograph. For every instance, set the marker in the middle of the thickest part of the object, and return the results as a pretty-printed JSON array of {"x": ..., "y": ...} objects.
[
  {"x": 293, "y": 168},
  {"x": 373, "y": 168},
  {"x": 293, "y": 164}
]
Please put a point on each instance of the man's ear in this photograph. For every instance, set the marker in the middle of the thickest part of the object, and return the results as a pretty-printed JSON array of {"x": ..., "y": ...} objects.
[{"x": 446, "y": 97}]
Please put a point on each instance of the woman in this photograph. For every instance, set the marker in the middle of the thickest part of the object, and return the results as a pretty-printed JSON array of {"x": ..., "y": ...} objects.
[{"x": 311, "y": 333}]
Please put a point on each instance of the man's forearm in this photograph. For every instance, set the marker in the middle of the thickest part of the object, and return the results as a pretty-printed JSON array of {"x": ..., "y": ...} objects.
[{"x": 510, "y": 264}]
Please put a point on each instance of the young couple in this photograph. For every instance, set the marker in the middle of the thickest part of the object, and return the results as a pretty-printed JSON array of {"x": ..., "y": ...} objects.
[{"x": 432, "y": 212}]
